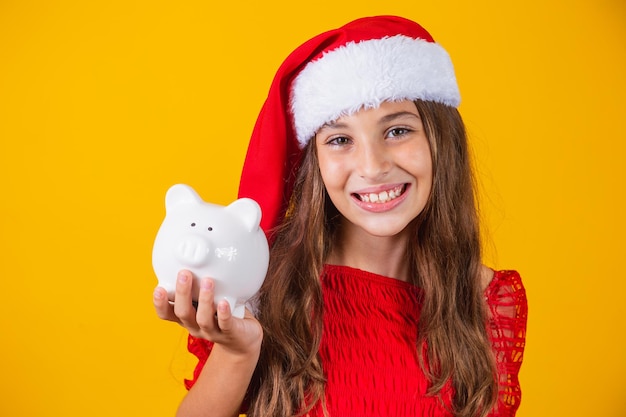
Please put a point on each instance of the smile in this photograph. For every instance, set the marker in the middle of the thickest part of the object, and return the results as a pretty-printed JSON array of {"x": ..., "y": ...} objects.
[{"x": 383, "y": 196}]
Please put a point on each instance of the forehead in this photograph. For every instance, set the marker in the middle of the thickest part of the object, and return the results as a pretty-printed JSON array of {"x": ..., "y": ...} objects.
[{"x": 386, "y": 111}]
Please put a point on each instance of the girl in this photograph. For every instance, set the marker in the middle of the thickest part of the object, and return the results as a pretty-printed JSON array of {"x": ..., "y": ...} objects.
[{"x": 376, "y": 302}]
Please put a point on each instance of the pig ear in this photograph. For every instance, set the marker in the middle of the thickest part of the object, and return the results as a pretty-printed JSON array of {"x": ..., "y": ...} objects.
[
  {"x": 180, "y": 193},
  {"x": 248, "y": 211}
]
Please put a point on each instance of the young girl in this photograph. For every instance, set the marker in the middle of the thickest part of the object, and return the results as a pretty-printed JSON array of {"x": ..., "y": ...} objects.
[{"x": 376, "y": 302}]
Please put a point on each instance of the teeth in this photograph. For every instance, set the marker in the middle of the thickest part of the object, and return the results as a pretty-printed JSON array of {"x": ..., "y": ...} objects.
[{"x": 382, "y": 197}]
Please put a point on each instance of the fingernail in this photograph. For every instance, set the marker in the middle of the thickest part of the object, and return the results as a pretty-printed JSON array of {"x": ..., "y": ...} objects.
[
  {"x": 206, "y": 284},
  {"x": 182, "y": 277},
  {"x": 223, "y": 306},
  {"x": 158, "y": 295}
]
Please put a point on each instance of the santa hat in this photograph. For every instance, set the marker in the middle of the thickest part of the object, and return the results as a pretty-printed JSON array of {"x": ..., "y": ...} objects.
[{"x": 359, "y": 65}]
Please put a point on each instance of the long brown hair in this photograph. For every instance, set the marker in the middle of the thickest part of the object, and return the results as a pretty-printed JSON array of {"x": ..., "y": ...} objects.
[{"x": 445, "y": 261}]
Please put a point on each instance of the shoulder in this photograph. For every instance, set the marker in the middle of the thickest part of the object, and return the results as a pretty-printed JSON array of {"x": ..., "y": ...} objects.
[
  {"x": 505, "y": 294},
  {"x": 502, "y": 283},
  {"x": 486, "y": 276}
]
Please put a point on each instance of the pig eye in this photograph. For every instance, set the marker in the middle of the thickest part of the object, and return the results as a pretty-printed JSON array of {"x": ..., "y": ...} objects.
[
  {"x": 210, "y": 229},
  {"x": 193, "y": 225}
]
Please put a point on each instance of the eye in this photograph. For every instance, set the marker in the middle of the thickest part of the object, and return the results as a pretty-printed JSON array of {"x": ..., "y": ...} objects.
[
  {"x": 397, "y": 131},
  {"x": 193, "y": 225},
  {"x": 210, "y": 229},
  {"x": 338, "y": 141}
]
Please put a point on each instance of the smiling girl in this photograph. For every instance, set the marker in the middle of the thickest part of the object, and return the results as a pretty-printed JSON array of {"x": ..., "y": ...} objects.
[{"x": 376, "y": 301}]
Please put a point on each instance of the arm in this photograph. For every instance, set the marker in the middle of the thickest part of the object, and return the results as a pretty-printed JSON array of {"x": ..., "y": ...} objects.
[
  {"x": 222, "y": 384},
  {"x": 508, "y": 312}
]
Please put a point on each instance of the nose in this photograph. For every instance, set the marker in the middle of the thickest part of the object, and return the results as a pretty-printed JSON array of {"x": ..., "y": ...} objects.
[
  {"x": 373, "y": 161},
  {"x": 193, "y": 250}
]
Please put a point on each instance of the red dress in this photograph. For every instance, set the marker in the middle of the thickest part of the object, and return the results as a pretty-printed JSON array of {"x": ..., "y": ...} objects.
[{"x": 368, "y": 345}]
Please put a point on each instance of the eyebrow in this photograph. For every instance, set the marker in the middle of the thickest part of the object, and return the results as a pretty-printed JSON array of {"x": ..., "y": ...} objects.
[
  {"x": 383, "y": 120},
  {"x": 393, "y": 116}
]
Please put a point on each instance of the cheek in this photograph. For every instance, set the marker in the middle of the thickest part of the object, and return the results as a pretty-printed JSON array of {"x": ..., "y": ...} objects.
[
  {"x": 418, "y": 163},
  {"x": 332, "y": 172}
]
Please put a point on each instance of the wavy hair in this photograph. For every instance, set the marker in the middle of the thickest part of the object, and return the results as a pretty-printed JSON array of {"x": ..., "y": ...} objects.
[{"x": 445, "y": 261}]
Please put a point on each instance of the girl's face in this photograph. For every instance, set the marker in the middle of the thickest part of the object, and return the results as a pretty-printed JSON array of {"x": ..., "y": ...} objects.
[{"x": 377, "y": 167}]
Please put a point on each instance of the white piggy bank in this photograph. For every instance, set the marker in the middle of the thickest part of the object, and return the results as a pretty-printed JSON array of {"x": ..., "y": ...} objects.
[{"x": 224, "y": 243}]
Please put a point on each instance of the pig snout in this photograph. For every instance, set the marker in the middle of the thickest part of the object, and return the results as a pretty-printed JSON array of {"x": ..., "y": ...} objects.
[{"x": 193, "y": 250}]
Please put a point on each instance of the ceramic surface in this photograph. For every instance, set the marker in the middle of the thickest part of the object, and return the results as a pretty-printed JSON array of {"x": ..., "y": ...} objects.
[{"x": 221, "y": 242}]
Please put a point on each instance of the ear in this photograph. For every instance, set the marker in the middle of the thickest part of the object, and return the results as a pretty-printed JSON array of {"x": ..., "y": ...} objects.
[
  {"x": 248, "y": 211},
  {"x": 180, "y": 193}
]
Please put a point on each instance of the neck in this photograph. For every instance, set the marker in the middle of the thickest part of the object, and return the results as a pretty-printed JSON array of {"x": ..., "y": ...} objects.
[{"x": 382, "y": 255}]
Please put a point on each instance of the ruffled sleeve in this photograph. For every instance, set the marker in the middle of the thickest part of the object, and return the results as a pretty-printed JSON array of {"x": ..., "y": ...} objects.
[
  {"x": 201, "y": 348},
  {"x": 508, "y": 313}
]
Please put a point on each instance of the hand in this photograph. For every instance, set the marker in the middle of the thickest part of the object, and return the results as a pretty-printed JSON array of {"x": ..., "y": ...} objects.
[{"x": 208, "y": 321}]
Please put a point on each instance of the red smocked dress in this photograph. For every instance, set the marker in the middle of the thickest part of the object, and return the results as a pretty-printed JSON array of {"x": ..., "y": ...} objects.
[{"x": 368, "y": 346}]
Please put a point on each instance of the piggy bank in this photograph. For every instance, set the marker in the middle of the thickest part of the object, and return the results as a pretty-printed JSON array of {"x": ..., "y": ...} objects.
[{"x": 224, "y": 243}]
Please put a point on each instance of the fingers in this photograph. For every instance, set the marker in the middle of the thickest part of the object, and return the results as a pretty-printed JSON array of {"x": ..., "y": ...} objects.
[
  {"x": 210, "y": 321},
  {"x": 207, "y": 320},
  {"x": 214, "y": 322},
  {"x": 183, "y": 302},
  {"x": 224, "y": 316},
  {"x": 163, "y": 307},
  {"x": 200, "y": 321},
  {"x": 205, "y": 316}
]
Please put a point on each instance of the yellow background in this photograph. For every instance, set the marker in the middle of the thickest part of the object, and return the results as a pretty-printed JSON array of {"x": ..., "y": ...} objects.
[{"x": 105, "y": 104}]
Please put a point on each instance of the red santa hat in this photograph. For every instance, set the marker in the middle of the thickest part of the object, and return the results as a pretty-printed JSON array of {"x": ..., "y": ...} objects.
[{"x": 359, "y": 65}]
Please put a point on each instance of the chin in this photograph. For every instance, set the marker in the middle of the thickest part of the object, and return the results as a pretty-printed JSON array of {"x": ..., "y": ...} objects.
[{"x": 385, "y": 230}]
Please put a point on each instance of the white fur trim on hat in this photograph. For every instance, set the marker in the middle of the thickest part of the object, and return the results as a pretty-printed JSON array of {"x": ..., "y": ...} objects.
[{"x": 365, "y": 74}]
